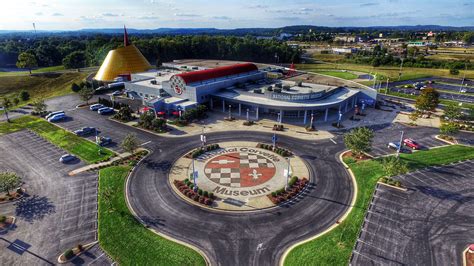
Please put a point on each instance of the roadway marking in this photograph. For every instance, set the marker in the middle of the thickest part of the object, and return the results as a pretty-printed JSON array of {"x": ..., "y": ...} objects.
[
  {"x": 96, "y": 259},
  {"x": 145, "y": 143},
  {"x": 333, "y": 141}
]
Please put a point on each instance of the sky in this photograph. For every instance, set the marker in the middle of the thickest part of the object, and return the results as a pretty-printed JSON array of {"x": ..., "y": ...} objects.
[{"x": 227, "y": 14}]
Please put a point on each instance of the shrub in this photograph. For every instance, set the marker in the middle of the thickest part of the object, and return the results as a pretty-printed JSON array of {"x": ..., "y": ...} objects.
[
  {"x": 200, "y": 191},
  {"x": 292, "y": 181},
  {"x": 206, "y": 194},
  {"x": 68, "y": 254},
  {"x": 3, "y": 218},
  {"x": 80, "y": 247},
  {"x": 191, "y": 186},
  {"x": 196, "y": 197},
  {"x": 274, "y": 194},
  {"x": 211, "y": 195},
  {"x": 24, "y": 95}
]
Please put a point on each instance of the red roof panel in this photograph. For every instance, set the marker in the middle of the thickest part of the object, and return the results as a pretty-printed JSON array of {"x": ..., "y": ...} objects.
[{"x": 201, "y": 75}]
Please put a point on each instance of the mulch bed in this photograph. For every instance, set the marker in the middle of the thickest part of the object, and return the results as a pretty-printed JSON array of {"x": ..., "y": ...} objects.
[
  {"x": 469, "y": 259},
  {"x": 350, "y": 155},
  {"x": 292, "y": 192},
  {"x": 6, "y": 223},
  {"x": 14, "y": 195}
]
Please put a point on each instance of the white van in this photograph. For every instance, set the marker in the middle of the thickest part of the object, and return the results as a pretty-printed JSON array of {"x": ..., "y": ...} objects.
[{"x": 53, "y": 114}]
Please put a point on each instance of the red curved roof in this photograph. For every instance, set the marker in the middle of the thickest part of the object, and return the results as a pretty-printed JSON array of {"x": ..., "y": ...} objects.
[{"x": 218, "y": 72}]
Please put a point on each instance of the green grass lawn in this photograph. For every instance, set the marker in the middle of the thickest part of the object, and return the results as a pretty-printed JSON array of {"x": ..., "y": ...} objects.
[
  {"x": 339, "y": 74},
  {"x": 335, "y": 247},
  {"x": 126, "y": 240},
  {"x": 38, "y": 70},
  {"x": 84, "y": 149},
  {"x": 413, "y": 97}
]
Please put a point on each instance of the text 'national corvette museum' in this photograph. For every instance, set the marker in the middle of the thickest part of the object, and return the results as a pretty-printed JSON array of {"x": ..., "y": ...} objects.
[{"x": 245, "y": 90}]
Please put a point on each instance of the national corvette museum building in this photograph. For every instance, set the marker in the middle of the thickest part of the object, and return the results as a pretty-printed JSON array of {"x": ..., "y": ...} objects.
[{"x": 245, "y": 90}]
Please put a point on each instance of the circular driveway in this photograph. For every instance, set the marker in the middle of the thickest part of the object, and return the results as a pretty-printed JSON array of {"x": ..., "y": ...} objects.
[{"x": 242, "y": 239}]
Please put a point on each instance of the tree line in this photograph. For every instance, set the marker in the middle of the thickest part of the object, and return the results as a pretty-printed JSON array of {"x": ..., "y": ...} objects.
[{"x": 76, "y": 52}]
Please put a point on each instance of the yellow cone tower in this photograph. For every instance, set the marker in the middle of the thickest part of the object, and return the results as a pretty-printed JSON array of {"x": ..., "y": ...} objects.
[{"x": 124, "y": 60}]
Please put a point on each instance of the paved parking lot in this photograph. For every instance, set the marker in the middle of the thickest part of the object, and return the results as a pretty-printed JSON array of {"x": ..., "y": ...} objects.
[
  {"x": 384, "y": 134},
  {"x": 431, "y": 223},
  {"x": 83, "y": 117},
  {"x": 58, "y": 212}
]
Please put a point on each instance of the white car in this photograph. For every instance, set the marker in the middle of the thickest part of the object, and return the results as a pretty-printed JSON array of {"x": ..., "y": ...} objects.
[
  {"x": 53, "y": 114},
  {"x": 57, "y": 117}
]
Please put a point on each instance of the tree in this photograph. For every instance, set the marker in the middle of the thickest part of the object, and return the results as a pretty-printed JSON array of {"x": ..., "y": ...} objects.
[
  {"x": 6, "y": 104},
  {"x": 24, "y": 95},
  {"x": 124, "y": 114},
  {"x": 427, "y": 101},
  {"x": 86, "y": 94},
  {"x": 393, "y": 166},
  {"x": 75, "y": 87},
  {"x": 39, "y": 106},
  {"x": 75, "y": 59},
  {"x": 452, "y": 111},
  {"x": 414, "y": 116},
  {"x": 449, "y": 129},
  {"x": 130, "y": 143},
  {"x": 16, "y": 101},
  {"x": 453, "y": 71},
  {"x": 9, "y": 181},
  {"x": 359, "y": 140},
  {"x": 26, "y": 60}
]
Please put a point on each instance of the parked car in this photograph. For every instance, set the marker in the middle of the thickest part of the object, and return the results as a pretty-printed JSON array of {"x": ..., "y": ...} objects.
[
  {"x": 411, "y": 144},
  {"x": 105, "y": 111},
  {"x": 393, "y": 145},
  {"x": 104, "y": 141},
  {"x": 117, "y": 93},
  {"x": 53, "y": 114},
  {"x": 85, "y": 131},
  {"x": 57, "y": 117},
  {"x": 67, "y": 158},
  {"x": 96, "y": 107}
]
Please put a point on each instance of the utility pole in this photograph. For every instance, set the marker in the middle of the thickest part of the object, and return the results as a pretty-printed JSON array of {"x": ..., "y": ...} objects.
[
  {"x": 194, "y": 178},
  {"x": 287, "y": 173},
  {"x": 386, "y": 87},
  {"x": 400, "y": 144},
  {"x": 400, "y": 71}
]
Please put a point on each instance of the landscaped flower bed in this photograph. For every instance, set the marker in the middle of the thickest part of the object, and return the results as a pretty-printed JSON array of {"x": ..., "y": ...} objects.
[
  {"x": 130, "y": 160},
  {"x": 278, "y": 150},
  {"x": 5, "y": 222},
  {"x": 390, "y": 181},
  {"x": 201, "y": 196},
  {"x": 17, "y": 194},
  {"x": 295, "y": 186},
  {"x": 201, "y": 150}
]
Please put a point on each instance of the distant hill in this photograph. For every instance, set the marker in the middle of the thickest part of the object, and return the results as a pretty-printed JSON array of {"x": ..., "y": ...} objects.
[{"x": 244, "y": 31}]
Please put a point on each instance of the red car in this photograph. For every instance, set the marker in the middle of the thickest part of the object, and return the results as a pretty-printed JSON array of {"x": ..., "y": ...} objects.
[{"x": 411, "y": 144}]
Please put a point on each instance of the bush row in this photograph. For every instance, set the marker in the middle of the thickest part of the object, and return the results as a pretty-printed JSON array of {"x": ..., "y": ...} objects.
[
  {"x": 390, "y": 181},
  {"x": 201, "y": 150},
  {"x": 295, "y": 186},
  {"x": 278, "y": 150},
  {"x": 130, "y": 160},
  {"x": 198, "y": 196}
]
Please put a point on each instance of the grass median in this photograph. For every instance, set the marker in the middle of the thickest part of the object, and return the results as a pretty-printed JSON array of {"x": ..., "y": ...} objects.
[
  {"x": 335, "y": 247},
  {"x": 84, "y": 149},
  {"x": 126, "y": 240}
]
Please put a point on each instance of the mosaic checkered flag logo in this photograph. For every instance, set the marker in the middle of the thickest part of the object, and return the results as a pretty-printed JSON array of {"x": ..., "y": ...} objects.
[{"x": 239, "y": 169}]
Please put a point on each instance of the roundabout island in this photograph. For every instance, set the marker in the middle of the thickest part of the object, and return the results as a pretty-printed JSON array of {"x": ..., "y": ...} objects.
[
  {"x": 239, "y": 176},
  {"x": 242, "y": 225}
]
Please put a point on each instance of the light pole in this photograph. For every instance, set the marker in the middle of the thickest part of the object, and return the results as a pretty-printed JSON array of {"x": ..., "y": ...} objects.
[
  {"x": 97, "y": 140},
  {"x": 274, "y": 140},
  {"x": 400, "y": 71},
  {"x": 400, "y": 145},
  {"x": 339, "y": 119},
  {"x": 386, "y": 87},
  {"x": 194, "y": 178},
  {"x": 203, "y": 138},
  {"x": 312, "y": 120},
  {"x": 287, "y": 173},
  {"x": 230, "y": 111}
]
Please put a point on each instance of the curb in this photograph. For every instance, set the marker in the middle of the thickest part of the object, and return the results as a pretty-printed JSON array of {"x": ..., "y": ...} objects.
[
  {"x": 394, "y": 187},
  {"x": 127, "y": 181},
  {"x": 340, "y": 220},
  {"x": 446, "y": 141},
  {"x": 86, "y": 247}
]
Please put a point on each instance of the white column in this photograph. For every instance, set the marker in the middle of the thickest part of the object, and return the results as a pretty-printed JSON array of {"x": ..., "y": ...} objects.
[
  {"x": 240, "y": 109},
  {"x": 223, "y": 105},
  {"x": 256, "y": 114},
  {"x": 305, "y": 115},
  {"x": 326, "y": 115},
  {"x": 347, "y": 103}
]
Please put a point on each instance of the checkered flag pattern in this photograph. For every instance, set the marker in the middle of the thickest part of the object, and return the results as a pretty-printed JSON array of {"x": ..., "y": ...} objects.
[{"x": 231, "y": 176}]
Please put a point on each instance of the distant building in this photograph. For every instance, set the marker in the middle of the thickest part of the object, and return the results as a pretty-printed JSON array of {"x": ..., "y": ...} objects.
[
  {"x": 344, "y": 38},
  {"x": 344, "y": 50},
  {"x": 416, "y": 44}
]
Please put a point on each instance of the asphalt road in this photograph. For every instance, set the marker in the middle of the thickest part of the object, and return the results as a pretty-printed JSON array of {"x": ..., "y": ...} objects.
[
  {"x": 430, "y": 224},
  {"x": 242, "y": 239},
  {"x": 59, "y": 211}
]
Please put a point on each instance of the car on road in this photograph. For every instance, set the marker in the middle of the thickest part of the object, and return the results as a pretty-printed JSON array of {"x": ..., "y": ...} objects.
[
  {"x": 67, "y": 158},
  {"x": 53, "y": 114},
  {"x": 57, "y": 117},
  {"x": 411, "y": 144},
  {"x": 85, "y": 131},
  {"x": 104, "y": 141},
  {"x": 96, "y": 107},
  {"x": 105, "y": 111},
  {"x": 117, "y": 93}
]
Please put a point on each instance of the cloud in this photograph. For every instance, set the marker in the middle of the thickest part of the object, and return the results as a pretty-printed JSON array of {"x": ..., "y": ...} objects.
[
  {"x": 39, "y": 13},
  {"x": 369, "y": 4},
  {"x": 186, "y": 15},
  {"x": 305, "y": 9},
  {"x": 147, "y": 17},
  {"x": 222, "y": 17},
  {"x": 258, "y": 7},
  {"x": 57, "y": 15}
]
